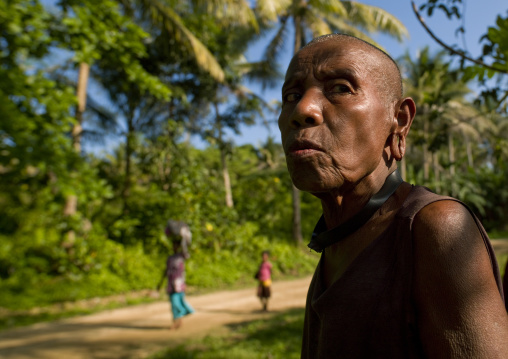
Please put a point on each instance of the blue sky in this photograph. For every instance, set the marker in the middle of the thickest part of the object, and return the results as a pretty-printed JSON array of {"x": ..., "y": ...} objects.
[{"x": 479, "y": 14}]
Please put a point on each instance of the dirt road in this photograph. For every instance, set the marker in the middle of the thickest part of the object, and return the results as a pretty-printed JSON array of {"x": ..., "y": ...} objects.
[{"x": 135, "y": 332}]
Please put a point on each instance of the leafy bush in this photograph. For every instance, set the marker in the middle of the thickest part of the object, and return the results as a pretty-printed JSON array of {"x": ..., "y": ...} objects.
[
  {"x": 240, "y": 256},
  {"x": 43, "y": 272},
  {"x": 46, "y": 270}
]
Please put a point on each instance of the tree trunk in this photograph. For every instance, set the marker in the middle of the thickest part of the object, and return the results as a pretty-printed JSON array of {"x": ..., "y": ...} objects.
[
  {"x": 297, "y": 217},
  {"x": 469, "y": 151},
  {"x": 225, "y": 172},
  {"x": 84, "y": 71},
  {"x": 71, "y": 202},
  {"x": 451, "y": 159},
  {"x": 128, "y": 158},
  {"x": 435, "y": 163},
  {"x": 403, "y": 170},
  {"x": 426, "y": 157},
  {"x": 451, "y": 155},
  {"x": 227, "y": 181},
  {"x": 298, "y": 34}
]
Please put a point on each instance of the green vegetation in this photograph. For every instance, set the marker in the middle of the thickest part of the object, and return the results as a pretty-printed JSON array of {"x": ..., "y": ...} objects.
[
  {"x": 137, "y": 80},
  {"x": 277, "y": 337},
  {"x": 501, "y": 261},
  {"x": 77, "y": 225}
]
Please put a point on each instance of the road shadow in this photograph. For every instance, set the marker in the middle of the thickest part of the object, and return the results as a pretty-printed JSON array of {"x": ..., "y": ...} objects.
[{"x": 235, "y": 312}]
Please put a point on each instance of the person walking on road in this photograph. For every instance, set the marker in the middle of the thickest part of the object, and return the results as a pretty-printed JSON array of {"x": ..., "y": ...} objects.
[
  {"x": 264, "y": 276},
  {"x": 175, "y": 272}
]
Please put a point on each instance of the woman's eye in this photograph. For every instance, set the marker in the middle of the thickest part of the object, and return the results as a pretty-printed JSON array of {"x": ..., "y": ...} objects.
[{"x": 291, "y": 97}]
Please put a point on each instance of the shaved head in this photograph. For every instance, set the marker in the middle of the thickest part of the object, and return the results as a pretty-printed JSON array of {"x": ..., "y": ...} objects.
[{"x": 386, "y": 74}]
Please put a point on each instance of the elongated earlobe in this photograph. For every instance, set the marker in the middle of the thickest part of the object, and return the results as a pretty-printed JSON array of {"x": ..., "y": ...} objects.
[
  {"x": 402, "y": 147},
  {"x": 397, "y": 146}
]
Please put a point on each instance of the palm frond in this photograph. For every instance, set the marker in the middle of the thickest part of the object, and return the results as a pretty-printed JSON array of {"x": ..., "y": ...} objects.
[
  {"x": 261, "y": 71},
  {"x": 276, "y": 45},
  {"x": 180, "y": 33},
  {"x": 100, "y": 122},
  {"x": 317, "y": 25},
  {"x": 343, "y": 26},
  {"x": 271, "y": 10},
  {"x": 230, "y": 12},
  {"x": 335, "y": 7},
  {"x": 374, "y": 19}
]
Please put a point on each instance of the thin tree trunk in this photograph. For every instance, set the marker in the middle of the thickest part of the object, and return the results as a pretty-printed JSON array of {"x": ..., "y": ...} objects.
[
  {"x": 403, "y": 170},
  {"x": 451, "y": 155},
  {"x": 128, "y": 158},
  {"x": 435, "y": 163},
  {"x": 297, "y": 218},
  {"x": 426, "y": 157},
  {"x": 451, "y": 159},
  {"x": 227, "y": 181},
  {"x": 71, "y": 202},
  {"x": 84, "y": 72},
  {"x": 469, "y": 151},
  {"x": 298, "y": 34},
  {"x": 225, "y": 172}
]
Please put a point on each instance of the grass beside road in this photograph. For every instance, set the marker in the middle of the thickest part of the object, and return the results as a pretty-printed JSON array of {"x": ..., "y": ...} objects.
[{"x": 277, "y": 337}]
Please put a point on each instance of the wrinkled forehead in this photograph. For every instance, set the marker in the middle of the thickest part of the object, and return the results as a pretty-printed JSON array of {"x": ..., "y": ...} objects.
[{"x": 333, "y": 55}]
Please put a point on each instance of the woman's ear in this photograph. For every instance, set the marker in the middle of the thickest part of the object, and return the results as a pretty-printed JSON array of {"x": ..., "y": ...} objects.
[{"x": 404, "y": 114}]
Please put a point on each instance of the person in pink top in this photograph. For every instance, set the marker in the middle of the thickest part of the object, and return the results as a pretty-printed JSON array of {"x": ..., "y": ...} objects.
[{"x": 264, "y": 276}]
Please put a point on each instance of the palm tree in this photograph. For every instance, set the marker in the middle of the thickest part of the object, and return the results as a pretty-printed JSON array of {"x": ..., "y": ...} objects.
[
  {"x": 162, "y": 14},
  {"x": 309, "y": 19},
  {"x": 168, "y": 18},
  {"x": 207, "y": 106},
  {"x": 444, "y": 114},
  {"x": 176, "y": 24},
  {"x": 239, "y": 106},
  {"x": 98, "y": 23}
]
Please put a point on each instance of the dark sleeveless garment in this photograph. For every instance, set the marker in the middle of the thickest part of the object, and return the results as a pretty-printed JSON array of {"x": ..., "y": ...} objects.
[{"x": 369, "y": 312}]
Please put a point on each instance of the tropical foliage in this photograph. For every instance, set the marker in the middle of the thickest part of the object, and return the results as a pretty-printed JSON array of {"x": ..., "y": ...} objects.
[
  {"x": 91, "y": 169},
  {"x": 490, "y": 64},
  {"x": 482, "y": 126}
]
